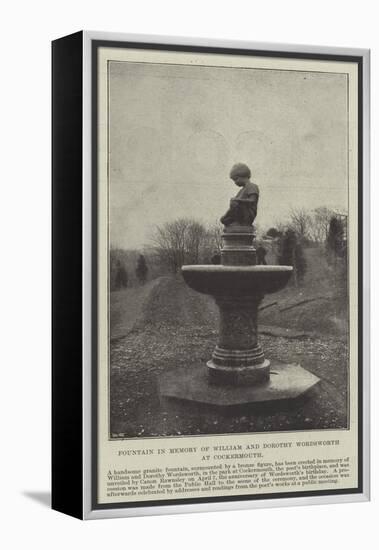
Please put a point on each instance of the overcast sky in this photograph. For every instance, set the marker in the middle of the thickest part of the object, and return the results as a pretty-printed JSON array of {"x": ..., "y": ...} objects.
[{"x": 176, "y": 130}]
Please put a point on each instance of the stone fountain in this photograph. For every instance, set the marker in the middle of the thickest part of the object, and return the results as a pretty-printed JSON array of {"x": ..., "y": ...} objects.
[{"x": 238, "y": 373}]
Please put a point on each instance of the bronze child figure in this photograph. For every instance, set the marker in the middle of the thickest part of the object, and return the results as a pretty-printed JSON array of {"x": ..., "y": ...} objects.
[{"x": 243, "y": 207}]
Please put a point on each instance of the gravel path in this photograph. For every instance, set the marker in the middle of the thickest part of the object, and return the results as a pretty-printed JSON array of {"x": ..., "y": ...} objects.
[
  {"x": 126, "y": 307},
  {"x": 177, "y": 328}
]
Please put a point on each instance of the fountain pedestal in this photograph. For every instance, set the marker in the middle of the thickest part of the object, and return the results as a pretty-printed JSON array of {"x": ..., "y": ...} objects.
[
  {"x": 238, "y": 246},
  {"x": 238, "y": 357},
  {"x": 238, "y": 372}
]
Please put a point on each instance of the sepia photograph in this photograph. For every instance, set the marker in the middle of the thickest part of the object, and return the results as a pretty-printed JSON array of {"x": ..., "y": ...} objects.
[{"x": 227, "y": 248}]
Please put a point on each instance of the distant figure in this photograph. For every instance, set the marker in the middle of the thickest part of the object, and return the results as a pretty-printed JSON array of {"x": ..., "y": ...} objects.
[
  {"x": 243, "y": 207},
  {"x": 121, "y": 276},
  {"x": 261, "y": 255},
  {"x": 141, "y": 269}
]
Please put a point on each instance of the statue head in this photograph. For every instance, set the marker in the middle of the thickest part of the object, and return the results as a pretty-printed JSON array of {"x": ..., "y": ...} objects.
[{"x": 240, "y": 174}]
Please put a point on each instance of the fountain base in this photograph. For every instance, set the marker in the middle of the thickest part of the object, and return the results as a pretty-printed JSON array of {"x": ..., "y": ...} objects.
[
  {"x": 287, "y": 384},
  {"x": 253, "y": 374}
]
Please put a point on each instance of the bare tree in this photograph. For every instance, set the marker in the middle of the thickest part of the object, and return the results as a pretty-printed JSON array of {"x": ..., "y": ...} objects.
[
  {"x": 213, "y": 240},
  {"x": 300, "y": 222},
  {"x": 179, "y": 242},
  {"x": 319, "y": 227},
  {"x": 196, "y": 237}
]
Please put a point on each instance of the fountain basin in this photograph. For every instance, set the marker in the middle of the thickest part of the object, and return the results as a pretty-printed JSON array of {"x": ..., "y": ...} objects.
[{"x": 236, "y": 280}]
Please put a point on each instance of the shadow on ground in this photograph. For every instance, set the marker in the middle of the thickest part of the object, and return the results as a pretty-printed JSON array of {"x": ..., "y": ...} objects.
[{"x": 42, "y": 497}]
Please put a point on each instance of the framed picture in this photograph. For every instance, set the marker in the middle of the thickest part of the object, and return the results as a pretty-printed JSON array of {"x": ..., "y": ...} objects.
[{"x": 210, "y": 275}]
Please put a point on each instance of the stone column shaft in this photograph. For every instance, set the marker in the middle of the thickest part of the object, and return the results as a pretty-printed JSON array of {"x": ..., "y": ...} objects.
[{"x": 238, "y": 357}]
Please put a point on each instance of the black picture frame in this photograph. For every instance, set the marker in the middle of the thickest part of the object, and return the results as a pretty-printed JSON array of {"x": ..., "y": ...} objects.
[{"x": 74, "y": 387}]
